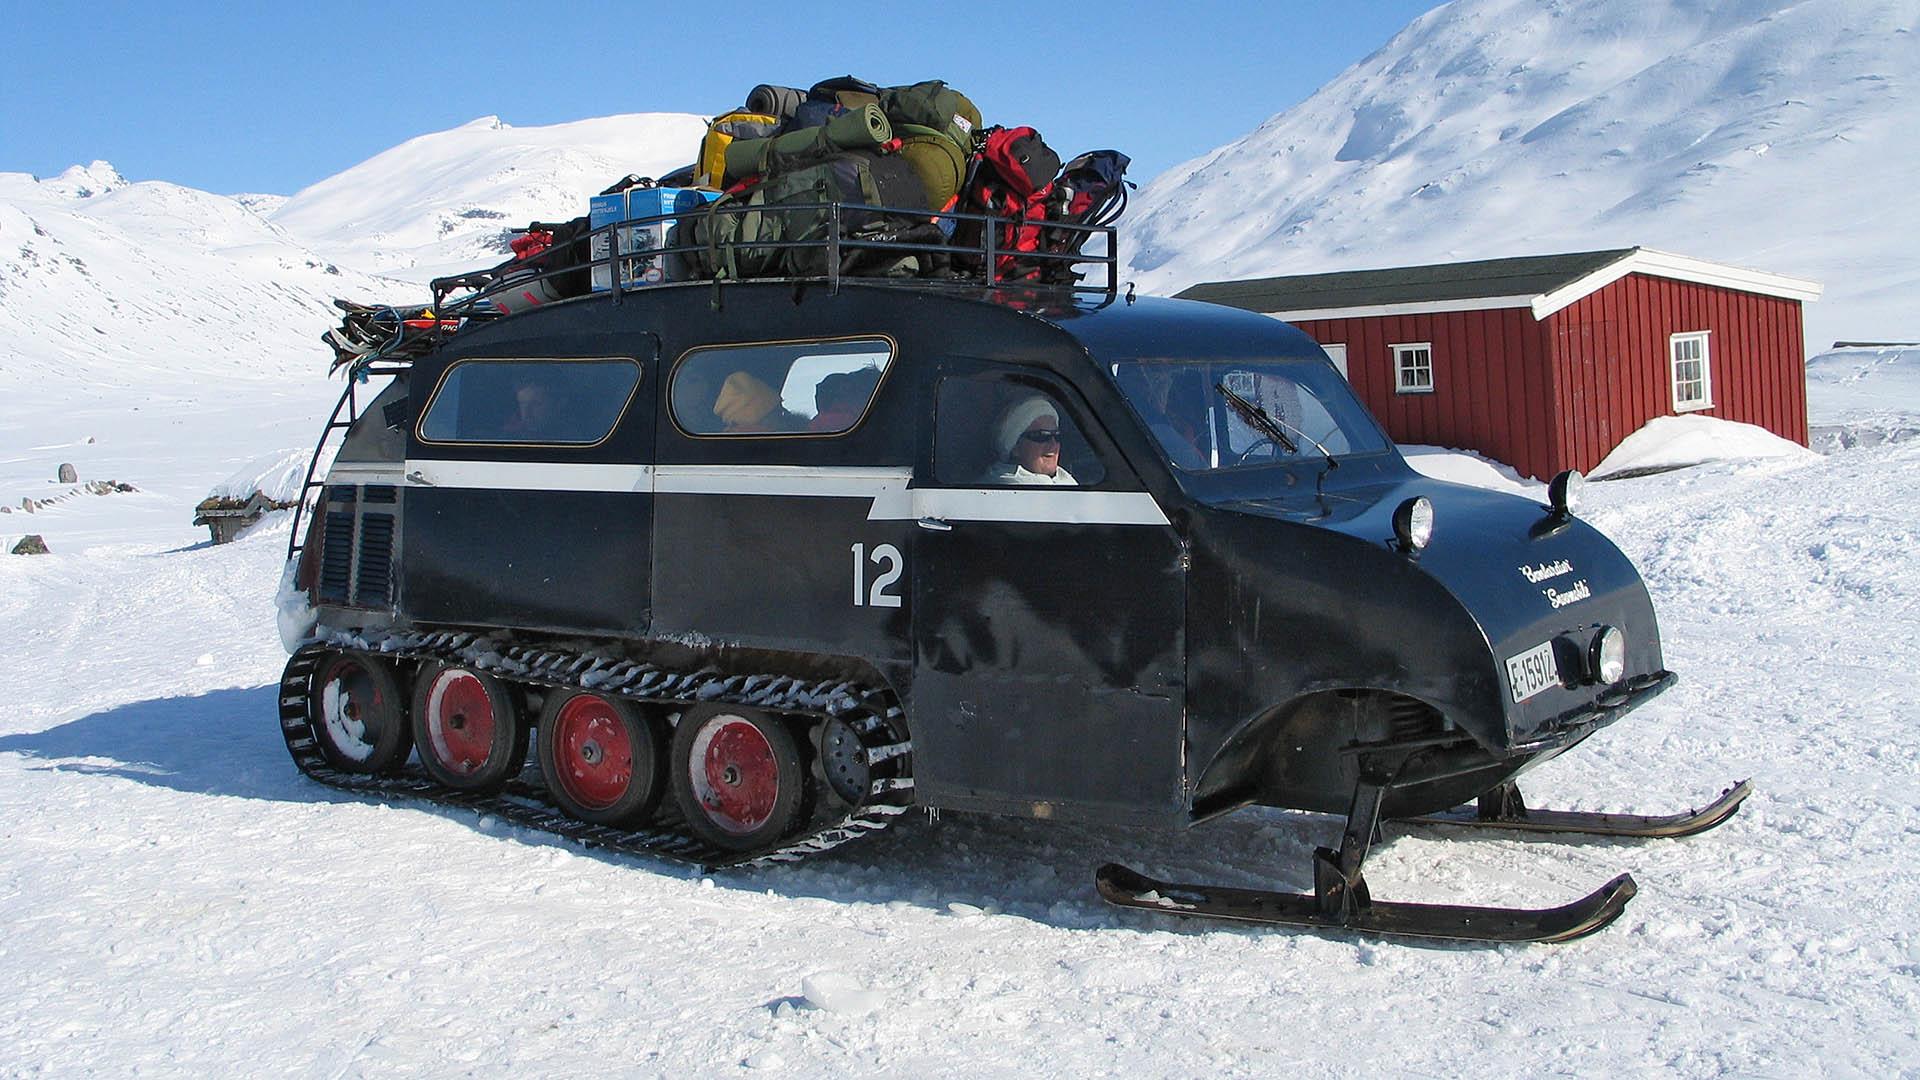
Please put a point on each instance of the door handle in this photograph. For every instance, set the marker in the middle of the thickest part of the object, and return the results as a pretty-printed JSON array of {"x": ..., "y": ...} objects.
[
  {"x": 418, "y": 478},
  {"x": 934, "y": 523}
]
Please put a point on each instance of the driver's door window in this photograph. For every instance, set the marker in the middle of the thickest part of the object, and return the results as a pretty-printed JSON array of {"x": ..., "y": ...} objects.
[{"x": 993, "y": 431}]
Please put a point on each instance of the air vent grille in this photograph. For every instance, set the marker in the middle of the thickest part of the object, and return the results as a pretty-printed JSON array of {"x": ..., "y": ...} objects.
[
  {"x": 336, "y": 556},
  {"x": 374, "y": 586}
]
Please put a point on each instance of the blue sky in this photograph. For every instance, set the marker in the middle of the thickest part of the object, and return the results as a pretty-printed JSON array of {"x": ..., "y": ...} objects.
[{"x": 236, "y": 97}]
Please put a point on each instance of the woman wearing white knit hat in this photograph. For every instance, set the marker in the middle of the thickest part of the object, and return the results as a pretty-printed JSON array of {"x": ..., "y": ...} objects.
[{"x": 1028, "y": 440}]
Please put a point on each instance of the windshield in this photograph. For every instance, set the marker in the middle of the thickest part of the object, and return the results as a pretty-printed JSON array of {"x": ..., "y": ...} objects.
[{"x": 1189, "y": 407}]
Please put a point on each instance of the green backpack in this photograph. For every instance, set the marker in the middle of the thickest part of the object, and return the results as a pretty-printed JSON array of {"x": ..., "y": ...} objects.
[
  {"x": 730, "y": 245},
  {"x": 933, "y": 104}
]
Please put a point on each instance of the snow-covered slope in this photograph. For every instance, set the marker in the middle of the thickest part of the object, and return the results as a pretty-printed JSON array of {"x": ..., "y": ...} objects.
[
  {"x": 154, "y": 335},
  {"x": 445, "y": 202},
  {"x": 1766, "y": 133},
  {"x": 108, "y": 282}
]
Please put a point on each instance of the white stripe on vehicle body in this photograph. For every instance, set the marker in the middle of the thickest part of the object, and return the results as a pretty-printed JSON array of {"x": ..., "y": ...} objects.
[
  {"x": 1049, "y": 505},
  {"x": 364, "y": 472},
  {"x": 528, "y": 475},
  {"x": 887, "y": 488},
  {"x": 819, "y": 481}
]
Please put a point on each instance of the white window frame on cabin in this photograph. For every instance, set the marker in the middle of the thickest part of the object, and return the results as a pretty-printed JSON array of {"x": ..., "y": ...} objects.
[
  {"x": 1690, "y": 394},
  {"x": 1410, "y": 361},
  {"x": 1337, "y": 352}
]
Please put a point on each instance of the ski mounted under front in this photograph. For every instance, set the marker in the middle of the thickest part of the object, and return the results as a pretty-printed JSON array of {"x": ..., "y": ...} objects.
[
  {"x": 1341, "y": 899},
  {"x": 1128, "y": 888},
  {"x": 1503, "y": 808}
]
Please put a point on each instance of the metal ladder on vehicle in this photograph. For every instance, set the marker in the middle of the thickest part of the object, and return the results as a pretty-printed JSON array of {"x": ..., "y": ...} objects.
[{"x": 349, "y": 403}]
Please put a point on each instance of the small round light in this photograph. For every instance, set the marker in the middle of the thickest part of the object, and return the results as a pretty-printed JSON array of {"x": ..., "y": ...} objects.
[
  {"x": 1607, "y": 657},
  {"x": 1563, "y": 492},
  {"x": 1413, "y": 523}
]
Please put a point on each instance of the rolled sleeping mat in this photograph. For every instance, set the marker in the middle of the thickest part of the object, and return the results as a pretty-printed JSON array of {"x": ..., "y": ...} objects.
[
  {"x": 777, "y": 101},
  {"x": 856, "y": 129},
  {"x": 859, "y": 129}
]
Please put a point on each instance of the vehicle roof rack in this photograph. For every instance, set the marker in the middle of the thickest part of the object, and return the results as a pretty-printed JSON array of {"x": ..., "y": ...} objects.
[{"x": 482, "y": 293}]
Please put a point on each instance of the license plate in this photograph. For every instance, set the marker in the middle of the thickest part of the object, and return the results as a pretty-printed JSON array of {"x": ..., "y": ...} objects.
[{"x": 1532, "y": 671}]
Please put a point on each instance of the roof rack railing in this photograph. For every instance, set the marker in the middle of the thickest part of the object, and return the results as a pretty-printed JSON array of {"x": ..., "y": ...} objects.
[{"x": 624, "y": 266}]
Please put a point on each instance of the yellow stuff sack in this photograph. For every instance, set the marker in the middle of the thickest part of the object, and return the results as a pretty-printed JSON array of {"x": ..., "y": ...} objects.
[{"x": 711, "y": 171}]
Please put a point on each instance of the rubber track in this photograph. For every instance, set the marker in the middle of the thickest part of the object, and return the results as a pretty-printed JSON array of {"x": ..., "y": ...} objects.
[{"x": 867, "y": 711}]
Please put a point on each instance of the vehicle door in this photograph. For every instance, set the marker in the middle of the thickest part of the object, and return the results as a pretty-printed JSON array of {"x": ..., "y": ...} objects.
[
  {"x": 771, "y": 462},
  {"x": 528, "y": 495},
  {"x": 1048, "y": 617}
]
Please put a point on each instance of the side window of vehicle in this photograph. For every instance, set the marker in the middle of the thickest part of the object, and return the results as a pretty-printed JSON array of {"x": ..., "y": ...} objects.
[
  {"x": 542, "y": 402},
  {"x": 778, "y": 388},
  {"x": 991, "y": 431}
]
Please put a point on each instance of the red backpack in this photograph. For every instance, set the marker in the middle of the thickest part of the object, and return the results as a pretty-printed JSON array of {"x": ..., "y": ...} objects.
[{"x": 1013, "y": 180}]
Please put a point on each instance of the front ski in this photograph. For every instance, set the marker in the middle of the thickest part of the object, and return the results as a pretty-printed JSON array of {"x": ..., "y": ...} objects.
[
  {"x": 1128, "y": 888},
  {"x": 1502, "y": 808}
]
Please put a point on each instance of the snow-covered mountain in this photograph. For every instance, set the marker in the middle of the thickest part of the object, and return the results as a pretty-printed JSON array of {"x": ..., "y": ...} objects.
[
  {"x": 1768, "y": 133},
  {"x": 110, "y": 282},
  {"x": 447, "y": 202}
]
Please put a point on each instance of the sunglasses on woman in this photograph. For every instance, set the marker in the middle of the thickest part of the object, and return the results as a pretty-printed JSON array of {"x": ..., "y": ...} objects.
[{"x": 1042, "y": 435}]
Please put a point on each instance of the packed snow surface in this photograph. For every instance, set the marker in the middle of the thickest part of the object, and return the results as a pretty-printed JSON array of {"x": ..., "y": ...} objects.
[{"x": 181, "y": 902}]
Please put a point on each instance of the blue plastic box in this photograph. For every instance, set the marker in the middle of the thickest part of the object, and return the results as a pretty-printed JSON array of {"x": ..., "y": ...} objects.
[{"x": 606, "y": 210}]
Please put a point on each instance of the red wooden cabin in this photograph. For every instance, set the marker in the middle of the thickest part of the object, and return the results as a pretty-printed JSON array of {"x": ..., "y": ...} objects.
[{"x": 1547, "y": 362}]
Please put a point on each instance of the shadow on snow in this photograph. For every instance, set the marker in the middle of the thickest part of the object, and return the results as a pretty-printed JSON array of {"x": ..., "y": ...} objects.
[{"x": 228, "y": 743}]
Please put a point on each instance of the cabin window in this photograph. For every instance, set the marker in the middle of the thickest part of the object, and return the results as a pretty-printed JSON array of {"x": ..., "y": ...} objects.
[
  {"x": 778, "y": 388},
  {"x": 1692, "y": 380},
  {"x": 538, "y": 402},
  {"x": 1413, "y": 368},
  {"x": 996, "y": 431}
]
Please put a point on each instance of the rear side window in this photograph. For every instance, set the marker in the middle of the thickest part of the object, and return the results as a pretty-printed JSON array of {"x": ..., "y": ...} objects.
[
  {"x": 778, "y": 388},
  {"x": 547, "y": 402}
]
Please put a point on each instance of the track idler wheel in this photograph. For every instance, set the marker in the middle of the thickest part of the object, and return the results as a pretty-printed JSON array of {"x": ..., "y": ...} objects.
[
  {"x": 601, "y": 758},
  {"x": 468, "y": 727},
  {"x": 358, "y": 716},
  {"x": 738, "y": 777}
]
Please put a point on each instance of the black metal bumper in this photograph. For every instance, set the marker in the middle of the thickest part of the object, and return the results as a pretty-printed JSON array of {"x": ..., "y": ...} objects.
[{"x": 1570, "y": 727}]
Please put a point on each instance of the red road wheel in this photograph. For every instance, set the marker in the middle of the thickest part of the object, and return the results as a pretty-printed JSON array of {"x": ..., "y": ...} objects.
[
  {"x": 738, "y": 777},
  {"x": 357, "y": 715},
  {"x": 468, "y": 727},
  {"x": 601, "y": 758}
]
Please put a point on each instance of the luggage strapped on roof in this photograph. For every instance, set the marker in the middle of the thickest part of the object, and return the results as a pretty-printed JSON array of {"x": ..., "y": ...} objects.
[{"x": 846, "y": 179}]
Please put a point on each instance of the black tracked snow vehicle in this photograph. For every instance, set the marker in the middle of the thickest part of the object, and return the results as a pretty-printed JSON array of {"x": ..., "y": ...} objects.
[{"x": 752, "y": 567}]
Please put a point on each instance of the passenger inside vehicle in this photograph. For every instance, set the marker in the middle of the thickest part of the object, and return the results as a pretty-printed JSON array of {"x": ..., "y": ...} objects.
[
  {"x": 1180, "y": 401},
  {"x": 1027, "y": 437},
  {"x": 533, "y": 413},
  {"x": 747, "y": 405},
  {"x": 841, "y": 397}
]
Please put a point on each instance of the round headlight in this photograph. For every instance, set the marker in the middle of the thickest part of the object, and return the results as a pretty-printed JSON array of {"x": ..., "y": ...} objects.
[
  {"x": 1563, "y": 492},
  {"x": 1607, "y": 658},
  {"x": 1413, "y": 523}
]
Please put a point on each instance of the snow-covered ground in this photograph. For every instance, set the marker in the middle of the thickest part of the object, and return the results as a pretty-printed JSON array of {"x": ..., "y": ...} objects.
[{"x": 179, "y": 901}]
